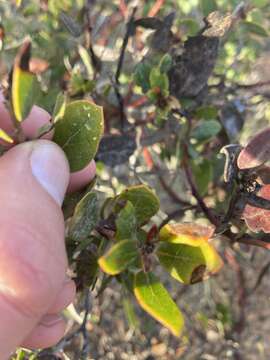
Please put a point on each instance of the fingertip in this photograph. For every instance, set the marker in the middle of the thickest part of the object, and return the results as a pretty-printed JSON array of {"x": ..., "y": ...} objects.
[
  {"x": 64, "y": 298},
  {"x": 35, "y": 121},
  {"x": 47, "y": 333},
  {"x": 50, "y": 167},
  {"x": 82, "y": 178}
]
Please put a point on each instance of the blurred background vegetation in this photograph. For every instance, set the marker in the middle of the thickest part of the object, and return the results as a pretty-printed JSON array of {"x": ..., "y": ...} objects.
[{"x": 77, "y": 48}]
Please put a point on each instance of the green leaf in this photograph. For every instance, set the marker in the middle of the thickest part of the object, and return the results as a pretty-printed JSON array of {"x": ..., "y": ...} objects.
[
  {"x": 108, "y": 207},
  {"x": 208, "y": 6},
  {"x": 126, "y": 223},
  {"x": 131, "y": 317},
  {"x": 259, "y": 3},
  {"x": 71, "y": 200},
  {"x": 159, "y": 80},
  {"x": 24, "y": 84},
  {"x": 254, "y": 28},
  {"x": 155, "y": 299},
  {"x": 85, "y": 217},
  {"x": 141, "y": 76},
  {"x": 145, "y": 202},
  {"x": 20, "y": 355},
  {"x": 206, "y": 130},
  {"x": 190, "y": 26},
  {"x": 60, "y": 107},
  {"x": 79, "y": 132},
  {"x": 207, "y": 112},
  {"x": 119, "y": 257},
  {"x": 203, "y": 174},
  {"x": 165, "y": 63},
  {"x": 189, "y": 264}
]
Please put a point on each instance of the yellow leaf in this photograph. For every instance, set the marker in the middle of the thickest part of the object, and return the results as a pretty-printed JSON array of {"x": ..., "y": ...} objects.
[
  {"x": 187, "y": 233},
  {"x": 4, "y": 136}
]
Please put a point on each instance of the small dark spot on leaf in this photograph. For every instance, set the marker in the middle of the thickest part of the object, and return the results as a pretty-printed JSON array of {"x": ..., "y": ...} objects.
[{"x": 198, "y": 274}]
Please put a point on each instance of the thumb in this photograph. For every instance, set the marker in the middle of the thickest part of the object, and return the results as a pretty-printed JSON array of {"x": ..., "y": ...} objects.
[{"x": 33, "y": 180}]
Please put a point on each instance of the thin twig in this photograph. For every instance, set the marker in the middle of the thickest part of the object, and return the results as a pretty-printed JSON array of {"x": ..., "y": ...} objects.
[
  {"x": 84, "y": 331},
  {"x": 252, "y": 86},
  {"x": 173, "y": 195},
  {"x": 174, "y": 214},
  {"x": 241, "y": 290},
  {"x": 88, "y": 36},
  {"x": 123, "y": 8},
  {"x": 129, "y": 31},
  {"x": 246, "y": 239},
  {"x": 121, "y": 102},
  {"x": 208, "y": 212},
  {"x": 263, "y": 272},
  {"x": 156, "y": 8},
  {"x": 81, "y": 330}
]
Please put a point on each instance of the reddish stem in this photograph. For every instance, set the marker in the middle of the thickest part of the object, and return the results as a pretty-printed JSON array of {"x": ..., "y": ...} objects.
[
  {"x": 148, "y": 158},
  {"x": 123, "y": 8},
  {"x": 156, "y": 7}
]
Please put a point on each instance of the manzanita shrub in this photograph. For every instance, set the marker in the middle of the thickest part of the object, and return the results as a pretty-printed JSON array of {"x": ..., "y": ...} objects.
[
  {"x": 117, "y": 235},
  {"x": 121, "y": 236}
]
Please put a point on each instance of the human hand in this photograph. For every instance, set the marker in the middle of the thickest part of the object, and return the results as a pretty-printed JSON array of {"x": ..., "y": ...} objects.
[{"x": 34, "y": 289}]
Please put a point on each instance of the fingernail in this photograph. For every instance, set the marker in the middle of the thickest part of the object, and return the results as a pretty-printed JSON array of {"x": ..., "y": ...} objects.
[
  {"x": 50, "y": 320},
  {"x": 50, "y": 168}
]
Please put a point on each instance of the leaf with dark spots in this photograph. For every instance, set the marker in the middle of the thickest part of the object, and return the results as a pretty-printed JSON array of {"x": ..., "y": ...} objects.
[
  {"x": 193, "y": 66},
  {"x": 86, "y": 267},
  {"x": 79, "y": 131},
  {"x": 256, "y": 152},
  {"x": 85, "y": 217},
  {"x": 185, "y": 263},
  {"x": 163, "y": 38},
  {"x": 116, "y": 149}
]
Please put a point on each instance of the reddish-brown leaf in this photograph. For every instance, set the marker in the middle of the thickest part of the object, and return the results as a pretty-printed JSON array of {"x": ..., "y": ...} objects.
[
  {"x": 264, "y": 175},
  {"x": 256, "y": 152},
  {"x": 37, "y": 65},
  {"x": 258, "y": 219}
]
